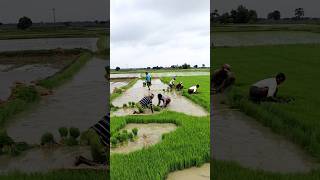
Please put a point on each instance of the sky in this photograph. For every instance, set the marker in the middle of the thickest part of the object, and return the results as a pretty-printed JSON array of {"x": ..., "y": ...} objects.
[
  {"x": 263, "y": 7},
  {"x": 148, "y": 33},
  {"x": 41, "y": 10}
]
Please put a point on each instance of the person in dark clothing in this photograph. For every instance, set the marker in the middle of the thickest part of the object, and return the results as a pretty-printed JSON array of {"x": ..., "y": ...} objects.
[
  {"x": 222, "y": 78},
  {"x": 165, "y": 99},
  {"x": 145, "y": 102}
]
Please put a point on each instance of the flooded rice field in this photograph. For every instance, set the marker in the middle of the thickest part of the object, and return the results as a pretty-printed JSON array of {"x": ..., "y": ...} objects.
[
  {"x": 157, "y": 75},
  {"x": 240, "y": 138},
  {"x": 129, "y": 75},
  {"x": 24, "y": 74},
  {"x": 178, "y": 102},
  {"x": 48, "y": 43},
  {"x": 118, "y": 84},
  {"x": 264, "y": 38},
  {"x": 78, "y": 103},
  {"x": 43, "y": 160},
  {"x": 198, "y": 173},
  {"x": 148, "y": 135}
]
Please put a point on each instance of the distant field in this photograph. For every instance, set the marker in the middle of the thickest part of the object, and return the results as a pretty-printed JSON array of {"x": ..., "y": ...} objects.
[
  {"x": 124, "y": 71},
  {"x": 298, "y": 120},
  {"x": 59, "y": 32}
]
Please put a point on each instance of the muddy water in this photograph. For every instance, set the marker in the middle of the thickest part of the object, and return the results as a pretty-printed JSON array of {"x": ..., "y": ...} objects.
[
  {"x": 148, "y": 135},
  {"x": 129, "y": 75},
  {"x": 24, "y": 74},
  {"x": 171, "y": 74},
  {"x": 48, "y": 43},
  {"x": 178, "y": 102},
  {"x": 117, "y": 84},
  {"x": 238, "y": 137},
  {"x": 194, "y": 173},
  {"x": 264, "y": 38},
  {"x": 81, "y": 102},
  {"x": 42, "y": 160}
]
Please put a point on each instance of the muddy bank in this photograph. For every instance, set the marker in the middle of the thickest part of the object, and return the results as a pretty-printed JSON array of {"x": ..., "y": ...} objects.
[
  {"x": 264, "y": 38},
  {"x": 240, "y": 138},
  {"x": 194, "y": 173},
  {"x": 178, "y": 102},
  {"x": 148, "y": 135},
  {"x": 80, "y": 103},
  {"x": 43, "y": 160},
  {"x": 48, "y": 43}
]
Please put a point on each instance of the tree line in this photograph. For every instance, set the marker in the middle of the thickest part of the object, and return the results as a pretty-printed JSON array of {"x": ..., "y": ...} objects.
[{"x": 245, "y": 15}]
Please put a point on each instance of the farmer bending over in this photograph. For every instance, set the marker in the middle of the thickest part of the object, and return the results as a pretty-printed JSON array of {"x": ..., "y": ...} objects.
[
  {"x": 179, "y": 86},
  {"x": 165, "y": 99},
  {"x": 98, "y": 138},
  {"x": 171, "y": 83},
  {"x": 193, "y": 89},
  {"x": 222, "y": 78},
  {"x": 266, "y": 89},
  {"x": 145, "y": 102},
  {"x": 148, "y": 80}
]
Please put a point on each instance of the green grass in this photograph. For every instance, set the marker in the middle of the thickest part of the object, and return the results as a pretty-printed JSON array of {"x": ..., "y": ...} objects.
[
  {"x": 66, "y": 73},
  {"x": 59, "y": 175},
  {"x": 187, "y": 146},
  {"x": 203, "y": 96},
  {"x": 297, "y": 120},
  {"x": 103, "y": 49},
  {"x": 52, "y": 32}
]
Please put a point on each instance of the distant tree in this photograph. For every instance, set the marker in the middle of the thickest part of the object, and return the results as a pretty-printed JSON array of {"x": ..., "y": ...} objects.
[
  {"x": 24, "y": 23},
  {"x": 185, "y": 66},
  {"x": 117, "y": 68},
  {"x": 253, "y": 16},
  {"x": 225, "y": 18},
  {"x": 173, "y": 66},
  {"x": 214, "y": 16},
  {"x": 195, "y": 66},
  {"x": 67, "y": 24},
  {"x": 1, "y": 23},
  {"x": 148, "y": 67},
  {"x": 243, "y": 15},
  {"x": 299, "y": 12},
  {"x": 203, "y": 65},
  {"x": 275, "y": 15}
]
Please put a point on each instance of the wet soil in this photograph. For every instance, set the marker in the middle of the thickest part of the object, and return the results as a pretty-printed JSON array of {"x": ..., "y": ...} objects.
[
  {"x": 148, "y": 135},
  {"x": 240, "y": 138},
  {"x": 80, "y": 103},
  {"x": 194, "y": 173},
  {"x": 117, "y": 84},
  {"x": 178, "y": 102},
  {"x": 48, "y": 43},
  {"x": 43, "y": 160}
]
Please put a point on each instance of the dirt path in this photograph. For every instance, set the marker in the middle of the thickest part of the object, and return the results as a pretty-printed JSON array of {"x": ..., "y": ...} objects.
[
  {"x": 178, "y": 102},
  {"x": 148, "y": 135},
  {"x": 194, "y": 173},
  {"x": 237, "y": 137},
  {"x": 79, "y": 103}
]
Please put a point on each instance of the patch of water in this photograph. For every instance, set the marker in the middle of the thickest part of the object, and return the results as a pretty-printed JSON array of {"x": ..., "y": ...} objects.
[
  {"x": 178, "y": 102},
  {"x": 238, "y": 137},
  {"x": 198, "y": 173},
  {"x": 118, "y": 84},
  {"x": 79, "y": 103},
  {"x": 24, "y": 74},
  {"x": 43, "y": 160},
  {"x": 129, "y": 75},
  {"x": 148, "y": 135},
  {"x": 48, "y": 43},
  {"x": 264, "y": 38},
  {"x": 172, "y": 74}
]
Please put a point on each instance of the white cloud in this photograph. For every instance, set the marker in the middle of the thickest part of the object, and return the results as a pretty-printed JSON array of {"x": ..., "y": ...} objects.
[{"x": 163, "y": 33}]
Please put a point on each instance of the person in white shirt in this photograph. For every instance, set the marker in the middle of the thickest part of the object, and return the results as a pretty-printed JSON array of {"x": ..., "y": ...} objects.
[
  {"x": 171, "y": 83},
  {"x": 266, "y": 89},
  {"x": 193, "y": 89}
]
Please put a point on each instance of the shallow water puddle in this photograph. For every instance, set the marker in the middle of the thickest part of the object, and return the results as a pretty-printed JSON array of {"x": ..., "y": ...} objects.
[
  {"x": 238, "y": 137},
  {"x": 194, "y": 173},
  {"x": 48, "y": 43},
  {"x": 80, "y": 103},
  {"x": 24, "y": 74},
  {"x": 42, "y": 160},
  {"x": 178, "y": 102},
  {"x": 148, "y": 134}
]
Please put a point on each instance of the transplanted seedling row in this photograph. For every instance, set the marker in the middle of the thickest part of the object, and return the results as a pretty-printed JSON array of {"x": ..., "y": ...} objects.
[{"x": 123, "y": 137}]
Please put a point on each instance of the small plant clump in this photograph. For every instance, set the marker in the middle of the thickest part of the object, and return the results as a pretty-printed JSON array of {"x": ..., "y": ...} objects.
[
  {"x": 123, "y": 136},
  {"x": 63, "y": 131},
  {"x": 156, "y": 108},
  {"x": 124, "y": 105},
  {"x": 74, "y": 132},
  {"x": 47, "y": 139}
]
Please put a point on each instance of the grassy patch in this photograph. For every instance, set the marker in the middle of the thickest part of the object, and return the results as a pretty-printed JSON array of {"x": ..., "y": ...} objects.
[
  {"x": 297, "y": 120},
  {"x": 103, "y": 47},
  {"x": 66, "y": 73},
  {"x": 203, "y": 96},
  {"x": 188, "y": 146}
]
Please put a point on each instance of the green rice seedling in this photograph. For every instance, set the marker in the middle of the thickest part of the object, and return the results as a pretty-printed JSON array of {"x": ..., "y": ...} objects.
[
  {"x": 47, "y": 139},
  {"x": 135, "y": 131},
  {"x": 114, "y": 141},
  {"x": 156, "y": 108},
  {"x": 131, "y": 136},
  {"x": 74, "y": 132},
  {"x": 140, "y": 108},
  {"x": 63, "y": 131},
  {"x": 123, "y": 137},
  {"x": 125, "y": 106}
]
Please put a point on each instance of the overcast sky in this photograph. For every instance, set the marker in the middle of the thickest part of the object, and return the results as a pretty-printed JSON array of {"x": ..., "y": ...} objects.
[
  {"x": 263, "y": 7},
  {"x": 159, "y": 33},
  {"x": 41, "y": 10}
]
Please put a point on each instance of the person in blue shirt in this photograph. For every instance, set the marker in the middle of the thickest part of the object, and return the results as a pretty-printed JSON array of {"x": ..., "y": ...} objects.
[{"x": 148, "y": 80}]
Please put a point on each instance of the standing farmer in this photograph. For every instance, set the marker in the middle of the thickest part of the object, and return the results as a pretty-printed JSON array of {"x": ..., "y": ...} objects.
[{"x": 148, "y": 80}]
